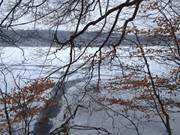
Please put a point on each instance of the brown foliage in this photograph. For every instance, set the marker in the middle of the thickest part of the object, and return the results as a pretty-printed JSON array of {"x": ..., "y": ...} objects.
[{"x": 28, "y": 101}]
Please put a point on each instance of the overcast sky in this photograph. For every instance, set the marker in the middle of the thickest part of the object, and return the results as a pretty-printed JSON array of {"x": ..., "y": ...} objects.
[{"x": 126, "y": 12}]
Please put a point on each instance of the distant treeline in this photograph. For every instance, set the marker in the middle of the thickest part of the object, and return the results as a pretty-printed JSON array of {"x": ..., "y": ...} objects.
[{"x": 46, "y": 38}]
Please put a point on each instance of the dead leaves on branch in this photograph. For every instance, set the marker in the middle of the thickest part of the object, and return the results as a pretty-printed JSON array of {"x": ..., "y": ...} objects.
[
  {"x": 143, "y": 100},
  {"x": 26, "y": 102},
  {"x": 130, "y": 83}
]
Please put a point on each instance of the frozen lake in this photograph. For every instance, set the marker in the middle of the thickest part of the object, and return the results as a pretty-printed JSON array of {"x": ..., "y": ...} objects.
[{"x": 21, "y": 65}]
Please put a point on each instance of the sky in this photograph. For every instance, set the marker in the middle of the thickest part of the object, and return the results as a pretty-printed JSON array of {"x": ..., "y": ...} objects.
[
  {"x": 140, "y": 22},
  {"x": 68, "y": 26}
]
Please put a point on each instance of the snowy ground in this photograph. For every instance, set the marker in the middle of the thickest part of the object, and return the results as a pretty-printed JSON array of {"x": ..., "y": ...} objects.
[{"x": 96, "y": 115}]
